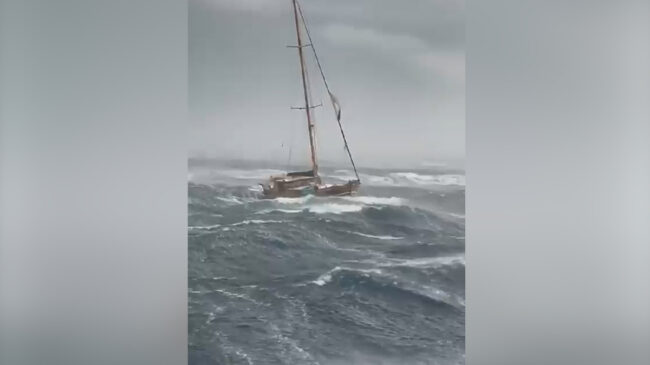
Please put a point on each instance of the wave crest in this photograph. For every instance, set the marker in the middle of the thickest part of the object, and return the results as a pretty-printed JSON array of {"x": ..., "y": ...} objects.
[
  {"x": 375, "y": 200},
  {"x": 403, "y": 178},
  {"x": 383, "y": 283},
  {"x": 327, "y": 208}
]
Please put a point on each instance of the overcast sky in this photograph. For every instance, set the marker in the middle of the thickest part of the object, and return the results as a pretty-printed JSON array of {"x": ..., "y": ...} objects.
[{"x": 397, "y": 68}]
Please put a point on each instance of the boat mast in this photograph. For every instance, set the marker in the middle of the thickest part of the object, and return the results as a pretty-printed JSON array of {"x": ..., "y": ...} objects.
[
  {"x": 303, "y": 70},
  {"x": 335, "y": 103}
]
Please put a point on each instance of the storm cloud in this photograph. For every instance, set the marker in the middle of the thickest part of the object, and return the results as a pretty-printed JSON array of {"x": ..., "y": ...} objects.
[{"x": 397, "y": 68}]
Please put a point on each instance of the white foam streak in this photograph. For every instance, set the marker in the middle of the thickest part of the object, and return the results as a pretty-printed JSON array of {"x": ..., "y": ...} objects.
[
  {"x": 238, "y": 296},
  {"x": 300, "y": 200},
  {"x": 230, "y": 199},
  {"x": 328, "y": 208},
  {"x": 193, "y": 228},
  {"x": 420, "y": 179},
  {"x": 403, "y": 178},
  {"x": 373, "y": 200},
  {"x": 327, "y": 277},
  {"x": 426, "y": 262},
  {"x": 334, "y": 208},
  {"x": 255, "y": 188},
  {"x": 255, "y": 221},
  {"x": 376, "y": 237}
]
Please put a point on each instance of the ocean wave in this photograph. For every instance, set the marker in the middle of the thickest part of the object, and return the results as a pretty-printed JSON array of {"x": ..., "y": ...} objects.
[
  {"x": 203, "y": 228},
  {"x": 437, "y": 295},
  {"x": 255, "y": 188},
  {"x": 255, "y": 221},
  {"x": 424, "y": 262},
  {"x": 421, "y": 179},
  {"x": 377, "y": 280},
  {"x": 362, "y": 200},
  {"x": 375, "y": 200},
  {"x": 334, "y": 208},
  {"x": 386, "y": 253},
  {"x": 227, "y": 228},
  {"x": 295, "y": 353},
  {"x": 278, "y": 210},
  {"x": 376, "y": 237},
  {"x": 300, "y": 200},
  {"x": 327, "y": 208},
  {"x": 327, "y": 277},
  {"x": 229, "y": 199},
  {"x": 242, "y": 174},
  {"x": 402, "y": 178},
  {"x": 238, "y": 296},
  {"x": 337, "y": 205}
]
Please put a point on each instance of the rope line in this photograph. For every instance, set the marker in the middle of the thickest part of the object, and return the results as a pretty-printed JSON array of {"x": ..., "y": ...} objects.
[{"x": 338, "y": 119}]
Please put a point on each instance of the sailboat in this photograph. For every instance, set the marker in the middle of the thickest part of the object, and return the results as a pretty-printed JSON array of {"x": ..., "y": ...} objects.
[{"x": 301, "y": 183}]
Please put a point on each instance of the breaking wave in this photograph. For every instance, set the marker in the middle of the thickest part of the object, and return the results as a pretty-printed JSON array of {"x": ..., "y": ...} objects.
[
  {"x": 300, "y": 200},
  {"x": 327, "y": 277},
  {"x": 373, "y": 200},
  {"x": 406, "y": 179},
  {"x": 379, "y": 281},
  {"x": 339, "y": 205},
  {"x": 420, "y": 179}
]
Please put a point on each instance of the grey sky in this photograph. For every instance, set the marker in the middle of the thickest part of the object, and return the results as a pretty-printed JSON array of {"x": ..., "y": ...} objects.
[{"x": 397, "y": 68}]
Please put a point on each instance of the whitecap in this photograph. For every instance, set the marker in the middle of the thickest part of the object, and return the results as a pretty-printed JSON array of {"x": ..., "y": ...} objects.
[
  {"x": 421, "y": 179},
  {"x": 375, "y": 200},
  {"x": 334, "y": 208},
  {"x": 437, "y": 294},
  {"x": 402, "y": 178},
  {"x": 230, "y": 199},
  {"x": 327, "y": 277},
  {"x": 323, "y": 279},
  {"x": 300, "y": 200}
]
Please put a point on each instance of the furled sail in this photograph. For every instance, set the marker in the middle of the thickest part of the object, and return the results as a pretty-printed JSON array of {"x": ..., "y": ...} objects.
[
  {"x": 335, "y": 102},
  {"x": 336, "y": 105}
]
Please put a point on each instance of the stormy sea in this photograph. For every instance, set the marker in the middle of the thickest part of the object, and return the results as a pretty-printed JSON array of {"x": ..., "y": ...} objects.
[{"x": 377, "y": 278}]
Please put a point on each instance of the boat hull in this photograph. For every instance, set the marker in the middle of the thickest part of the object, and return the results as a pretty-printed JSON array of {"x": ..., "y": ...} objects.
[
  {"x": 350, "y": 188},
  {"x": 297, "y": 190}
]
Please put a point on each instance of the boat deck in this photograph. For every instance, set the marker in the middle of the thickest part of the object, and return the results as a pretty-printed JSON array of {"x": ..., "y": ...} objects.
[{"x": 300, "y": 185}]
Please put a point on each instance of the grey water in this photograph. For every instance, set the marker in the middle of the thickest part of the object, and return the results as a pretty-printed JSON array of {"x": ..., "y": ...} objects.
[{"x": 377, "y": 278}]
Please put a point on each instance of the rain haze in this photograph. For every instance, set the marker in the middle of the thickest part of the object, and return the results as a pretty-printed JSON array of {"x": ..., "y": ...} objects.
[{"x": 397, "y": 69}]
